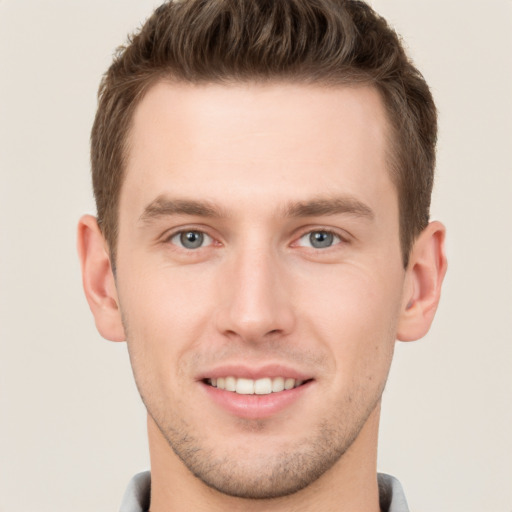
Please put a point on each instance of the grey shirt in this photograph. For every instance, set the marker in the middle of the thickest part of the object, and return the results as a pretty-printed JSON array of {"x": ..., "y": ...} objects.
[{"x": 136, "y": 497}]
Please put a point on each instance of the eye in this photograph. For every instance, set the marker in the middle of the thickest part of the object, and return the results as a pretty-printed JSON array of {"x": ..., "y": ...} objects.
[
  {"x": 319, "y": 239},
  {"x": 191, "y": 239}
]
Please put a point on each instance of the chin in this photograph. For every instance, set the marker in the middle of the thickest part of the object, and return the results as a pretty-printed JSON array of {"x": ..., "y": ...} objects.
[{"x": 265, "y": 472}]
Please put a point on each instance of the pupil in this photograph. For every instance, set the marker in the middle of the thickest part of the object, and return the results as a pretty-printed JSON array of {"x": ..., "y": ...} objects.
[
  {"x": 321, "y": 239},
  {"x": 192, "y": 239}
]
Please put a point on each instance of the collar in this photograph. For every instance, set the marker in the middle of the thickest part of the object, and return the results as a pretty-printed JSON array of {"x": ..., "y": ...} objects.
[{"x": 136, "y": 497}]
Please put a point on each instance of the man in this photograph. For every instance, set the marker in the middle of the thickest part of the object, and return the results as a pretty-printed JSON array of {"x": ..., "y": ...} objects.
[{"x": 263, "y": 172}]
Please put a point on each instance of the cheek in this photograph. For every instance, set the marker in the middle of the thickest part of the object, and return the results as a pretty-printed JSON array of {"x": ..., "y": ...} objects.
[
  {"x": 163, "y": 301},
  {"x": 165, "y": 316},
  {"x": 355, "y": 315}
]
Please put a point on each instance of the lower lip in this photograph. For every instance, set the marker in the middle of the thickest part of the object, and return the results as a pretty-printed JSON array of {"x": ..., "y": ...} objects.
[{"x": 256, "y": 406}]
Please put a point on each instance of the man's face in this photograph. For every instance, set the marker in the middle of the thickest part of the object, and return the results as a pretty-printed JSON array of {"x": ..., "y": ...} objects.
[{"x": 259, "y": 247}]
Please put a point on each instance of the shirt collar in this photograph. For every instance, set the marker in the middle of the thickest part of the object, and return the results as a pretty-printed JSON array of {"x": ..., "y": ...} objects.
[{"x": 136, "y": 497}]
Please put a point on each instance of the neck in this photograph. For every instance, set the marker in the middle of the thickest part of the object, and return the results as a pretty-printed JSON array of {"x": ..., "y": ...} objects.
[{"x": 351, "y": 484}]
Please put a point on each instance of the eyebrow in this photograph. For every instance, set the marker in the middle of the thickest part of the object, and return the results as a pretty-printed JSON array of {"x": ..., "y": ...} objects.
[
  {"x": 163, "y": 206},
  {"x": 330, "y": 206}
]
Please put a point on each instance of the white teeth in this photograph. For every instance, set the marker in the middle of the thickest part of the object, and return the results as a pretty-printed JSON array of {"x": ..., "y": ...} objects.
[
  {"x": 289, "y": 383},
  {"x": 230, "y": 383},
  {"x": 263, "y": 386},
  {"x": 245, "y": 386},
  {"x": 277, "y": 384}
]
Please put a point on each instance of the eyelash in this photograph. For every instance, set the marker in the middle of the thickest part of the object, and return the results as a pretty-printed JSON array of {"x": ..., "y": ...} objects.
[
  {"x": 337, "y": 237},
  {"x": 174, "y": 234}
]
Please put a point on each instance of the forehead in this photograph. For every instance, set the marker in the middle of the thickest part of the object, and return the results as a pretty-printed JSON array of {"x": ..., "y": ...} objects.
[{"x": 280, "y": 140}]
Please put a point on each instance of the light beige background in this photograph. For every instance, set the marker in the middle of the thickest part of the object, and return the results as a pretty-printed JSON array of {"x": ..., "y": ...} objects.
[{"x": 72, "y": 430}]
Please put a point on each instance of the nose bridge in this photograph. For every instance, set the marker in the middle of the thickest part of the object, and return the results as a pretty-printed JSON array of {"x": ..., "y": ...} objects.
[{"x": 257, "y": 301}]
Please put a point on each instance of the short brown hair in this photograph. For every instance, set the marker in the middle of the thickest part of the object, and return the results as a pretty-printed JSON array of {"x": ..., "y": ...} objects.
[{"x": 327, "y": 42}]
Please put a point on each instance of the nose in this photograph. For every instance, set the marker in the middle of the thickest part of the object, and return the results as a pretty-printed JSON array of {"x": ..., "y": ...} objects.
[{"x": 255, "y": 297}]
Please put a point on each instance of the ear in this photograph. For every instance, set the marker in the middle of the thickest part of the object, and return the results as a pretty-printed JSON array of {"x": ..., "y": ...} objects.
[
  {"x": 423, "y": 280},
  {"x": 98, "y": 279}
]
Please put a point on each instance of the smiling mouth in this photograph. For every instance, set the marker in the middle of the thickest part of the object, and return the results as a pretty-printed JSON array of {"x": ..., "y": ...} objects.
[{"x": 263, "y": 386}]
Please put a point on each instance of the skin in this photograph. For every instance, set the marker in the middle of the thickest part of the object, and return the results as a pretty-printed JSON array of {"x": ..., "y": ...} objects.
[{"x": 265, "y": 166}]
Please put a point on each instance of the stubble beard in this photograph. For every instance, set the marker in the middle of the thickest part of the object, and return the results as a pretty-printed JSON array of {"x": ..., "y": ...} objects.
[{"x": 267, "y": 476}]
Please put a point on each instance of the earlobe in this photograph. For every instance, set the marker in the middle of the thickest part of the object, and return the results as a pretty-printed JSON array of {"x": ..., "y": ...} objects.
[
  {"x": 424, "y": 278},
  {"x": 98, "y": 279}
]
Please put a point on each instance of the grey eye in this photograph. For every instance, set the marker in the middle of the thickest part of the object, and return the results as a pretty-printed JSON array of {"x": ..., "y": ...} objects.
[
  {"x": 319, "y": 239},
  {"x": 191, "y": 239}
]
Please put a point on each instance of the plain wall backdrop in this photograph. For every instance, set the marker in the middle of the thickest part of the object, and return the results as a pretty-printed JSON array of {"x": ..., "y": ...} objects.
[{"x": 72, "y": 428}]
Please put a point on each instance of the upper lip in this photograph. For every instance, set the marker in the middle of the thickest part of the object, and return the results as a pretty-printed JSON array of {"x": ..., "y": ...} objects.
[{"x": 254, "y": 372}]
